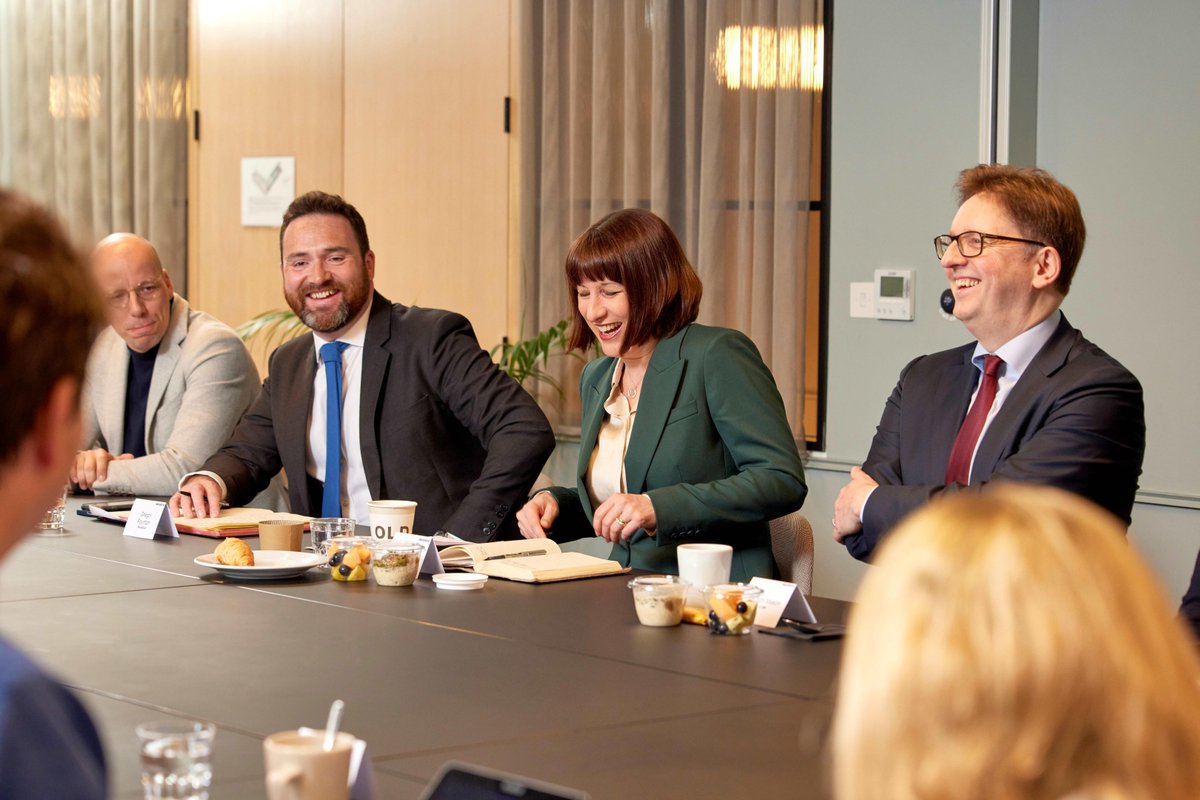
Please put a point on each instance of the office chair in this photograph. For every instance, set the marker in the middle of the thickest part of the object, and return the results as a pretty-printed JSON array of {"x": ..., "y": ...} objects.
[{"x": 792, "y": 547}]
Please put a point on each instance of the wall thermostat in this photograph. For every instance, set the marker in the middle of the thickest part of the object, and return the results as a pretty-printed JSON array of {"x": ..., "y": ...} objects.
[{"x": 894, "y": 294}]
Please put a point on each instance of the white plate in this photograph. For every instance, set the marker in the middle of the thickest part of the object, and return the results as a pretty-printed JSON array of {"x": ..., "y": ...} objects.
[
  {"x": 269, "y": 565},
  {"x": 459, "y": 581}
]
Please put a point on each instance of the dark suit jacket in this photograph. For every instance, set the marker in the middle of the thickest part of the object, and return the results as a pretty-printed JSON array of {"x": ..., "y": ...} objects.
[
  {"x": 1190, "y": 610},
  {"x": 710, "y": 445},
  {"x": 439, "y": 424},
  {"x": 1074, "y": 420}
]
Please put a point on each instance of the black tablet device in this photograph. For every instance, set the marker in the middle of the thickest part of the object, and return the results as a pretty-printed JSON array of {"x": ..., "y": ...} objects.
[{"x": 458, "y": 781}]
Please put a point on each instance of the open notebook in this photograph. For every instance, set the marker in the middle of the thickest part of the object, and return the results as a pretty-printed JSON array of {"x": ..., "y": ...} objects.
[
  {"x": 528, "y": 561},
  {"x": 231, "y": 522}
]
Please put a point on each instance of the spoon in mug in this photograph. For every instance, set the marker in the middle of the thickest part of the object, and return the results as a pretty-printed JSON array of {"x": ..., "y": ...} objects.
[{"x": 333, "y": 723}]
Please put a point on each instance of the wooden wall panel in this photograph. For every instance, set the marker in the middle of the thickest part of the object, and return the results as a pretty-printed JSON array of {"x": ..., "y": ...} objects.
[
  {"x": 426, "y": 155},
  {"x": 267, "y": 79}
]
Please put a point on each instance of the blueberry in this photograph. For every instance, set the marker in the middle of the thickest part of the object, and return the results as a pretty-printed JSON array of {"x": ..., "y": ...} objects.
[
  {"x": 741, "y": 607},
  {"x": 722, "y": 628},
  {"x": 336, "y": 558},
  {"x": 343, "y": 570},
  {"x": 712, "y": 615}
]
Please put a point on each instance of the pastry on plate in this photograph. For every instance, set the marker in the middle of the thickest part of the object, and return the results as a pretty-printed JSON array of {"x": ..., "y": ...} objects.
[{"x": 234, "y": 553}]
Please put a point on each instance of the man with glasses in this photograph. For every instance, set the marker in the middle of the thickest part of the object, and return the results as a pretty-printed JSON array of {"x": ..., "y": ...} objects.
[
  {"x": 166, "y": 384},
  {"x": 1030, "y": 400}
]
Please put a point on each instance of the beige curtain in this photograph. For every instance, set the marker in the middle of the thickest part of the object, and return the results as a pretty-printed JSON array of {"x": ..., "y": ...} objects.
[
  {"x": 95, "y": 125},
  {"x": 667, "y": 105}
]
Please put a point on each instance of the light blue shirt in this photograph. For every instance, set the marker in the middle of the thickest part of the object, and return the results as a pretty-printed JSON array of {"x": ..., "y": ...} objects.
[{"x": 1017, "y": 354}]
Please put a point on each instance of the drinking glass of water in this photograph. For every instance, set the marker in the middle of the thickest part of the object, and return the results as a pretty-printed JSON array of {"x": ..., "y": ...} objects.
[
  {"x": 176, "y": 759},
  {"x": 56, "y": 515}
]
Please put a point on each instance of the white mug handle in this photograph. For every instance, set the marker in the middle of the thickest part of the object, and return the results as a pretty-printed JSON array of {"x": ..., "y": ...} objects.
[{"x": 283, "y": 783}]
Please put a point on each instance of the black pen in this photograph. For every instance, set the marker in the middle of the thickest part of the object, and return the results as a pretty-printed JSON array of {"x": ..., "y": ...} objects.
[
  {"x": 517, "y": 555},
  {"x": 803, "y": 627}
]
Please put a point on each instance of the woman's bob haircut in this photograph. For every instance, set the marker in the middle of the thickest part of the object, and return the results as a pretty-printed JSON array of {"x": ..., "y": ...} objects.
[{"x": 635, "y": 248}]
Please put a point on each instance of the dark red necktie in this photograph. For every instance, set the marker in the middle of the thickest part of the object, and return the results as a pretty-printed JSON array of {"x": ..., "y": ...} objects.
[{"x": 959, "y": 468}]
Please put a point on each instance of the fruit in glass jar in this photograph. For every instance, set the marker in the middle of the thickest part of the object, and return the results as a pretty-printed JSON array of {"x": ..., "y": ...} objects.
[
  {"x": 350, "y": 564},
  {"x": 732, "y": 612}
]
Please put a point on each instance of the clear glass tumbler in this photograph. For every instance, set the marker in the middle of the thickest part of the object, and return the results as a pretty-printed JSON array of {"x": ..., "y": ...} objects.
[
  {"x": 323, "y": 529},
  {"x": 176, "y": 759},
  {"x": 55, "y": 518}
]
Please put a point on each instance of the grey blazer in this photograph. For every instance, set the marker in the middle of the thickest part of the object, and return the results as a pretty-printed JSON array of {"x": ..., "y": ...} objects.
[{"x": 203, "y": 380}]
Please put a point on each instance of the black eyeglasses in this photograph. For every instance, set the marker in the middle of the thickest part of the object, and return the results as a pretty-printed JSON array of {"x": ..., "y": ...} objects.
[{"x": 970, "y": 243}]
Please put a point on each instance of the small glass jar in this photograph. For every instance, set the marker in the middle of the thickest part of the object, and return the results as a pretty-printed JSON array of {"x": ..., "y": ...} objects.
[
  {"x": 731, "y": 607},
  {"x": 349, "y": 557},
  {"x": 658, "y": 599},
  {"x": 396, "y": 564}
]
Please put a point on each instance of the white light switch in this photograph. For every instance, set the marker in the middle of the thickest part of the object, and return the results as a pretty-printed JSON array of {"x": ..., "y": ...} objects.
[{"x": 862, "y": 300}]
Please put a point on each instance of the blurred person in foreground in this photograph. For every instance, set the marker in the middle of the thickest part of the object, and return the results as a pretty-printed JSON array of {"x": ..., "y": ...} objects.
[
  {"x": 684, "y": 436},
  {"x": 48, "y": 745},
  {"x": 1190, "y": 606},
  {"x": 165, "y": 385},
  {"x": 1010, "y": 644},
  {"x": 1030, "y": 400}
]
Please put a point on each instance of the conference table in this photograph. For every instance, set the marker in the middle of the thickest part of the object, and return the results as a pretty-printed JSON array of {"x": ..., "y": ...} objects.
[{"x": 553, "y": 681}]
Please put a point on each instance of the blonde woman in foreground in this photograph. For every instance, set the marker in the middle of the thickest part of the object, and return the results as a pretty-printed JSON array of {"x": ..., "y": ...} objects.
[{"x": 1010, "y": 644}]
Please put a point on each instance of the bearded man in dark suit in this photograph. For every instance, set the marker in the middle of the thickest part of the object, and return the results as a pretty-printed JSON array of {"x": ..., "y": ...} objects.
[{"x": 425, "y": 414}]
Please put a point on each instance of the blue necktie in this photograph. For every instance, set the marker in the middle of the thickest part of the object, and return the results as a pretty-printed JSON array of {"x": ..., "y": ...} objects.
[{"x": 331, "y": 499}]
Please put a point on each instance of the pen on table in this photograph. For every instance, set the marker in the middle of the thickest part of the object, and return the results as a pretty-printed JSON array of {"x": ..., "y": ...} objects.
[{"x": 517, "y": 555}]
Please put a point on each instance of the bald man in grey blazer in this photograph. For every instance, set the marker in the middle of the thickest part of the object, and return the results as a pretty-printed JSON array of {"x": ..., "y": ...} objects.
[{"x": 166, "y": 384}]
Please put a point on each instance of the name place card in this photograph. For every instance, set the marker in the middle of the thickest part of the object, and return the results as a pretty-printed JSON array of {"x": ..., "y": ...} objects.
[
  {"x": 150, "y": 518},
  {"x": 778, "y": 600}
]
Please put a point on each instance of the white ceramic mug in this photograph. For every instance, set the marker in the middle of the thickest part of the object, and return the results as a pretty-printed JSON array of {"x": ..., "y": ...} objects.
[
  {"x": 703, "y": 564},
  {"x": 300, "y": 768},
  {"x": 391, "y": 517}
]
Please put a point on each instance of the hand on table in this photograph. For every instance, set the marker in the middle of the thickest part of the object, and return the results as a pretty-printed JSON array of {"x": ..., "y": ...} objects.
[
  {"x": 847, "y": 509},
  {"x": 537, "y": 516},
  {"x": 199, "y": 496},
  {"x": 92, "y": 465},
  {"x": 618, "y": 517}
]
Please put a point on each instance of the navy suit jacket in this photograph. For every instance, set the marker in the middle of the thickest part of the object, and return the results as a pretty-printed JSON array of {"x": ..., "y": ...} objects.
[
  {"x": 439, "y": 424},
  {"x": 1074, "y": 420}
]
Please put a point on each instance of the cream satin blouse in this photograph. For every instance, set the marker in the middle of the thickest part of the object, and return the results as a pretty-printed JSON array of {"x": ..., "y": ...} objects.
[{"x": 606, "y": 469}]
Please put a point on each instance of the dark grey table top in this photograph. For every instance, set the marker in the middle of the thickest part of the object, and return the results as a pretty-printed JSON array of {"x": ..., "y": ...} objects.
[{"x": 557, "y": 681}]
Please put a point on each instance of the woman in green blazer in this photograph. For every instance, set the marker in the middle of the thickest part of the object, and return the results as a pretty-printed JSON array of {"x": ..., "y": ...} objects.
[{"x": 684, "y": 437}]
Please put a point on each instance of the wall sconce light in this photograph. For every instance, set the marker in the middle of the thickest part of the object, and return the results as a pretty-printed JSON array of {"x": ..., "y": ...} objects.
[
  {"x": 76, "y": 96},
  {"x": 81, "y": 97},
  {"x": 160, "y": 98},
  {"x": 766, "y": 57}
]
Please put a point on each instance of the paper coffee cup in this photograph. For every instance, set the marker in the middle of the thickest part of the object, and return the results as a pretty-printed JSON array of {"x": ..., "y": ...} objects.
[
  {"x": 391, "y": 517},
  {"x": 280, "y": 534},
  {"x": 298, "y": 766},
  {"x": 703, "y": 564}
]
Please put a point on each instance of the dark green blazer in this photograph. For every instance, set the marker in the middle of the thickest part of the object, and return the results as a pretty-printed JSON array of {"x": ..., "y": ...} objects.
[{"x": 710, "y": 445}]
